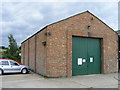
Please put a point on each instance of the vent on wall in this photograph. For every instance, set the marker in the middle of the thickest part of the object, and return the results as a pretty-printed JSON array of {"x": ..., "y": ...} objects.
[
  {"x": 88, "y": 27},
  {"x": 91, "y": 18}
]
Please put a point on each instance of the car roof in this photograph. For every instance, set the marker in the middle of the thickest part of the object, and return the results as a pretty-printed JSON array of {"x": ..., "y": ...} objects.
[{"x": 12, "y": 60}]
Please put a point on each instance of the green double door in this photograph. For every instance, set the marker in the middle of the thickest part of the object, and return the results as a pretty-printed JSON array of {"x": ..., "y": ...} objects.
[{"x": 86, "y": 56}]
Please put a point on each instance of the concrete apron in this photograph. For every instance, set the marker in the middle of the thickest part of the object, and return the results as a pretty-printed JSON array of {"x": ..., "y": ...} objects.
[{"x": 37, "y": 81}]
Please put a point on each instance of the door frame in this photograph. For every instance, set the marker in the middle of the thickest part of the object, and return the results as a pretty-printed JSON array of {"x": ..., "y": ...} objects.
[
  {"x": 69, "y": 49},
  {"x": 87, "y": 51}
]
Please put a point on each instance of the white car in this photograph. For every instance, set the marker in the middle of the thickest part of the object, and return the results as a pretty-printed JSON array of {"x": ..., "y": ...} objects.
[{"x": 11, "y": 66}]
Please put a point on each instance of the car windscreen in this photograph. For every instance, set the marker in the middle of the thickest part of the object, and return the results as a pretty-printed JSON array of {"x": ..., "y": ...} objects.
[{"x": 13, "y": 63}]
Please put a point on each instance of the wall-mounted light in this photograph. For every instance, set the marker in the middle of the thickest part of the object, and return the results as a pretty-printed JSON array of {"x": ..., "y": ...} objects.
[
  {"x": 48, "y": 33},
  {"x": 44, "y": 43},
  {"x": 88, "y": 27}
]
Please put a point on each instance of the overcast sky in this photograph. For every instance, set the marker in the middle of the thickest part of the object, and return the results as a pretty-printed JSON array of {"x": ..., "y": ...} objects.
[{"x": 23, "y": 19}]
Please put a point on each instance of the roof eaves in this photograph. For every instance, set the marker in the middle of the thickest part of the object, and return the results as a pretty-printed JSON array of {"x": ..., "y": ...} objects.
[{"x": 34, "y": 34}]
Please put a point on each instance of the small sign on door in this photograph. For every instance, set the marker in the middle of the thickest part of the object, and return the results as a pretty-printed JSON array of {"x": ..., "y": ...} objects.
[
  {"x": 91, "y": 59},
  {"x": 79, "y": 61}
]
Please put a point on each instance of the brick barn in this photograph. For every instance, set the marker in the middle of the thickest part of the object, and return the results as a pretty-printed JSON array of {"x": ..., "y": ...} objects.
[{"x": 79, "y": 45}]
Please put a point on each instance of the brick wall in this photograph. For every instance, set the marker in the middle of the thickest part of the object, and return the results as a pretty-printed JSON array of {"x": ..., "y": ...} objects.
[
  {"x": 26, "y": 54},
  {"x": 22, "y": 51},
  {"x": 41, "y": 53},
  {"x": 32, "y": 53},
  {"x": 59, "y": 53}
]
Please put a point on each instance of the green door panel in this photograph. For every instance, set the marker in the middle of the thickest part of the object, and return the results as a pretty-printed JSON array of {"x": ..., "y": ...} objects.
[
  {"x": 89, "y": 50},
  {"x": 94, "y": 52},
  {"x": 79, "y": 51}
]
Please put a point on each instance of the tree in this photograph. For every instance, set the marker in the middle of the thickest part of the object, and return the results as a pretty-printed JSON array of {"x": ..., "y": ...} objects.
[
  {"x": 13, "y": 50},
  {"x": 3, "y": 47}
]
